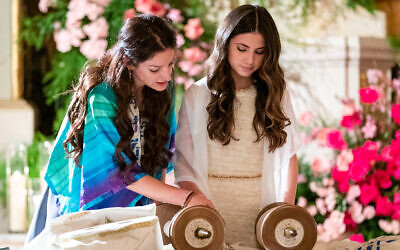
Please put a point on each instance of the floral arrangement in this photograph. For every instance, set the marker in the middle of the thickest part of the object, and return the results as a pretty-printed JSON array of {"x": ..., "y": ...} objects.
[
  {"x": 351, "y": 181},
  {"x": 84, "y": 29}
]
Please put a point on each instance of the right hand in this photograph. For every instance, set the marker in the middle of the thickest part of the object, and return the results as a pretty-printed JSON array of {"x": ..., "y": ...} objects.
[{"x": 200, "y": 199}]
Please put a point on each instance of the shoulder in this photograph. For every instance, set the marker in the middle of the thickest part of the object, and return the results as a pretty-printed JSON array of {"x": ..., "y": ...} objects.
[
  {"x": 198, "y": 88},
  {"x": 102, "y": 96}
]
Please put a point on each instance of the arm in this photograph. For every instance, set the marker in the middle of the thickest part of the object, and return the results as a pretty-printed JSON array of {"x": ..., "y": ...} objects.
[{"x": 290, "y": 194}]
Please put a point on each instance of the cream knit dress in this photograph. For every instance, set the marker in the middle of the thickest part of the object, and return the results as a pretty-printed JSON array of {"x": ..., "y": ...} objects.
[{"x": 235, "y": 172}]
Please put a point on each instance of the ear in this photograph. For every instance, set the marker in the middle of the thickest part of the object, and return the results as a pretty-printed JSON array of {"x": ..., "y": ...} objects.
[{"x": 128, "y": 63}]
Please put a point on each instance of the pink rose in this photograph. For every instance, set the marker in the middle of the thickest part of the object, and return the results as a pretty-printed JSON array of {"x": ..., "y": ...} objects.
[
  {"x": 349, "y": 222},
  {"x": 96, "y": 30},
  {"x": 312, "y": 210},
  {"x": 396, "y": 198},
  {"x": 396, "y": 212},
  {"x": 320, "y": 204},
  {"x": 129, "y": 13},
  {"x": 350, "y": 121},
  {"x": 396, "y": 113},
  {"x": 320, "y": 165},
  {"x": 103, "y": 3},
  {"x": 157, "y": 9},
  {"x": 344, "y": 159},
  {"x": 175, "y": 15},
  {"x": 349, "y": 107},
  {"x": 93, "y": 11},
  {"x": 195, "y": 70},
  {"x": 342, "y": 178},
  {"x": 368, "y": 193},
  {"x": 302, "y": 202},
  {"x": 373, "y": 75},
  {"x": 353, "y": 193},
  {"x": 193, "y": 28},
  {"x": 357, "y": 238},
  {"x": 383, "y": 178},
  {"x": 369, "y": 129},
  {"x": 93, "y": 49},
  {"x": 143, "y": 6},
  {"x": 383, "y": 206},
  {"x": 44, "y": 5},
  {"x": 334, "y": 139},
  {"x": 195, "y": 54},
  {"x": 356, "y": 212},
  {"x": 185, "y": 65},
  {"x": 369, "y": 95},
  {"x": 180, "y": 40},
  {"x": 306, "y": 118},
  {"x": 63, "y": 40},
  {"x": 369, "y": 212}
]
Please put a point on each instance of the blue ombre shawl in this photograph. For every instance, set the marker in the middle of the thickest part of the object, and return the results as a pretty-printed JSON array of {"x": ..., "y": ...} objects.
[{"x": 97, "y": 183}]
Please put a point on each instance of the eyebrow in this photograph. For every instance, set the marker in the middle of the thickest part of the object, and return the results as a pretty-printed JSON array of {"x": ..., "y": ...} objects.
[
  {"x": 157, "y": 66},
  {"x": 248, "y": 46}
]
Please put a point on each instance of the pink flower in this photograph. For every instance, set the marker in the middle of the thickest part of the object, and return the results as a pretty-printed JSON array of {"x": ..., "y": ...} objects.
[
  {"x": 103, "y": 3},
  {"x": 143, "y": 5},
  {"x": 389, "y": 227},
  {"x": 349, "y": 222},
  {"x": 93, "y": 11},
  {"x": 306, "y": 118},
  {"x": 93, "y": 49},
  {"x": 320, "y": 204},
  {"x": 383, "y": 178},
  {"x": 312, "y": 210},
  {"x": 373, "y": 75},
  {"x": 369, "y": 129},
  {"x": 344, "y": 159},
  {"x": 357, "y": 238},
  {"x": 369, "y": 95},
  {"x": 77, "y": 9},
  {"x": 157, "y": 9},
  {"x": 369, "y": 212},
  {"x": 356, "y": 212},
  {"x": 342, "y": 177},
  {"x": 302, "y": 202},
  {"x": 353, "y": 193},
  {"x": 185, "y": 65},
  {"x": 193, "y": 28},
  {"x": 383, "y": 206},
  {"x": 320, "y": 165},
  {"x": 195, "y": 70},
  {"x": 349, "y": 107},
  {"x": 76, "y": 35},
  {"x": 44, "y": 5},
  {"x": 396, "y": 113},
  {"x": 63, "y": 40},
  {"x": 396, "y": 198},
  {"x": 301, "y": 178},
  {"x": 368, "y": 193},
  {"x": 175, "y": 15},
  {"x": 97, "y": 29},
  {"x": 129, "y": 13},
  {"x": 330, "y": 202},
  {"x": 180, "y": 80},
  {"x": 350, "y": 121},
  {"x": 332, "y": 228},
  {"x": 180, "y": 40},
  {"x": 195, "y": 54},
  {"x": 334, "y": 139},
  {"x": 321, "y": 135},
  {"x": 396, "y": 212}
]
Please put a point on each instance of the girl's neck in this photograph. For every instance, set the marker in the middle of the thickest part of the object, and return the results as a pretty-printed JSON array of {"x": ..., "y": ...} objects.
[{"x": 241, "y": 82}]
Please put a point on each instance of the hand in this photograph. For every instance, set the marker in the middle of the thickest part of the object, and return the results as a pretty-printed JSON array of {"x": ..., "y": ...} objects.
[{"x": 200, "y": 199}]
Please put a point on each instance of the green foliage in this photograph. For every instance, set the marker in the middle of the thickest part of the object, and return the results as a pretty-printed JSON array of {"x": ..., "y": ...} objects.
[
  {"x": 3, "y": 182},
  {"x": 370, "y": 229},
  {"x": 37, "y": 155},
  {"x": 114, "y": 13},
  {"x": 369, "y": 5}
]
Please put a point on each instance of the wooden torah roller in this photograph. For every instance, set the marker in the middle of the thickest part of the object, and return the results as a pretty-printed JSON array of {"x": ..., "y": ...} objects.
[
  {"x": 281, "y": 226},
  {"x": 191, "y": 228}
]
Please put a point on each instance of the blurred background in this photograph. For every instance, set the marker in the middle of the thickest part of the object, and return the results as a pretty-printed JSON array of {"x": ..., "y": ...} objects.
[{"x": 341, "y": 62}]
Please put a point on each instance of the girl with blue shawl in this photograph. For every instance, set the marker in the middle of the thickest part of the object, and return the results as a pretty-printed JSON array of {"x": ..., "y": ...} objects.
[{"x": 117, "y": 138}]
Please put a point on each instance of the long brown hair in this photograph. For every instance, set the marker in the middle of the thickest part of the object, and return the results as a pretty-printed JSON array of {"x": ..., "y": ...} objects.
[
  {"x": 139, "y": 39},
  {"x": 269, "y": 119}
]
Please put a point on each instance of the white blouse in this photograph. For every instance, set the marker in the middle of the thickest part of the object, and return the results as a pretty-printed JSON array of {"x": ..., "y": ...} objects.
[{"x": 190, "y": 158}]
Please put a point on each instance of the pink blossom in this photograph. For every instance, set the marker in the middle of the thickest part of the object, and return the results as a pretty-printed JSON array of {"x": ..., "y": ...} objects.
[
  {"x": 353, "y": 193},
  {"x": 349, "y": 107},
  {"x": 93, "y": 11},
  {"x": 368, "y": 193},
  {"x": 332, "y": 228},
  {"x": 306, "y": 118},
  {"x": 373, "y": 75},
  {"x": 383, "y": 206},
  {"x": 93, "y": 49},
  {"x": 97, "y": 29},
  {"x": 342, "y": 177},
  {"x": 301, "y": 202},
  {"x": 396, "y": 198},
  {"x": 180, "y": 40},
  {"x": 313, "y": 187},
  {"x": 321, "y": 135},
  {"x": 320, "y": 204},
  {"x": 357, "y": 238},
  {"x": 63, "y": 40},
  {"x": 157, "y": 9},
  {"x": 356, "y": 212},
  {"x": 320, "y": 165},
  {"x": 195, "y": 54},
  {"x": 103, "y": 3},
  {"x": 369, "y": 129},
  {"x": 180, "y": 80},
  {"x": 334, "y": 139},
  {"x": 175, "y": 15},
  {"x": 330, "y": 202},
  {"x": 344, "y": 159},
  {"x": 396, "y": 212},
  {"x": 364, "y": 157},
  {"x": 349, "y": 222},
  {"x": 129, "y": 13},
  {"x": 193, "y": 28},
  {"x": 312, "y": 210},
  {"x": 396, "y": 113},
  {"x": 369, "y": 95},
  {"x": 195, "y": 70},
  {"x": 350, "y": 121},
  {"x": 77, "y": 9},
  {"x": 143, "y": 6},
  {"x": 389, "y": 227},
  {"x": 383, "y": 178},
  {"x": 185, "y": 65},
  {"x": 44, "y": 5},
  {"x": 301, "y": 178},
  {"x": 76, "y": 35},
  {"x": 369, "y": 212}
]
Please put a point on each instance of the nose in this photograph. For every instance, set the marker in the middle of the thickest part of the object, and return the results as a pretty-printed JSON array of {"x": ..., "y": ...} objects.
[
  {"x": 250, "y": 57},
  {"x": 167, "y": 75}
]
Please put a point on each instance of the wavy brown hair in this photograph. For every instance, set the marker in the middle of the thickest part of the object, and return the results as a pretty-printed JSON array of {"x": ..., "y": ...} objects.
[
  {"x": 269, "y": 119},
  {"x": 139, "y": 39}
]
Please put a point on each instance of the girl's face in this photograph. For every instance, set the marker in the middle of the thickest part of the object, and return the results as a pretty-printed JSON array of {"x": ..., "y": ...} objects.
[
  {"x": 155, "y": 72},
  {"x": 246, "y": 53}
]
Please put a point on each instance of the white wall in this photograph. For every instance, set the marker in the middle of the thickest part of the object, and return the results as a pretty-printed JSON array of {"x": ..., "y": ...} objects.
[{"x": 5, "y": 49}]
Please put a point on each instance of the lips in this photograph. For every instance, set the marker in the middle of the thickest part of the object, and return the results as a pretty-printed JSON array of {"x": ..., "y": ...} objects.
[
  {"x": 247, "y": 68},
  {"x": 162, "y": 83}
]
